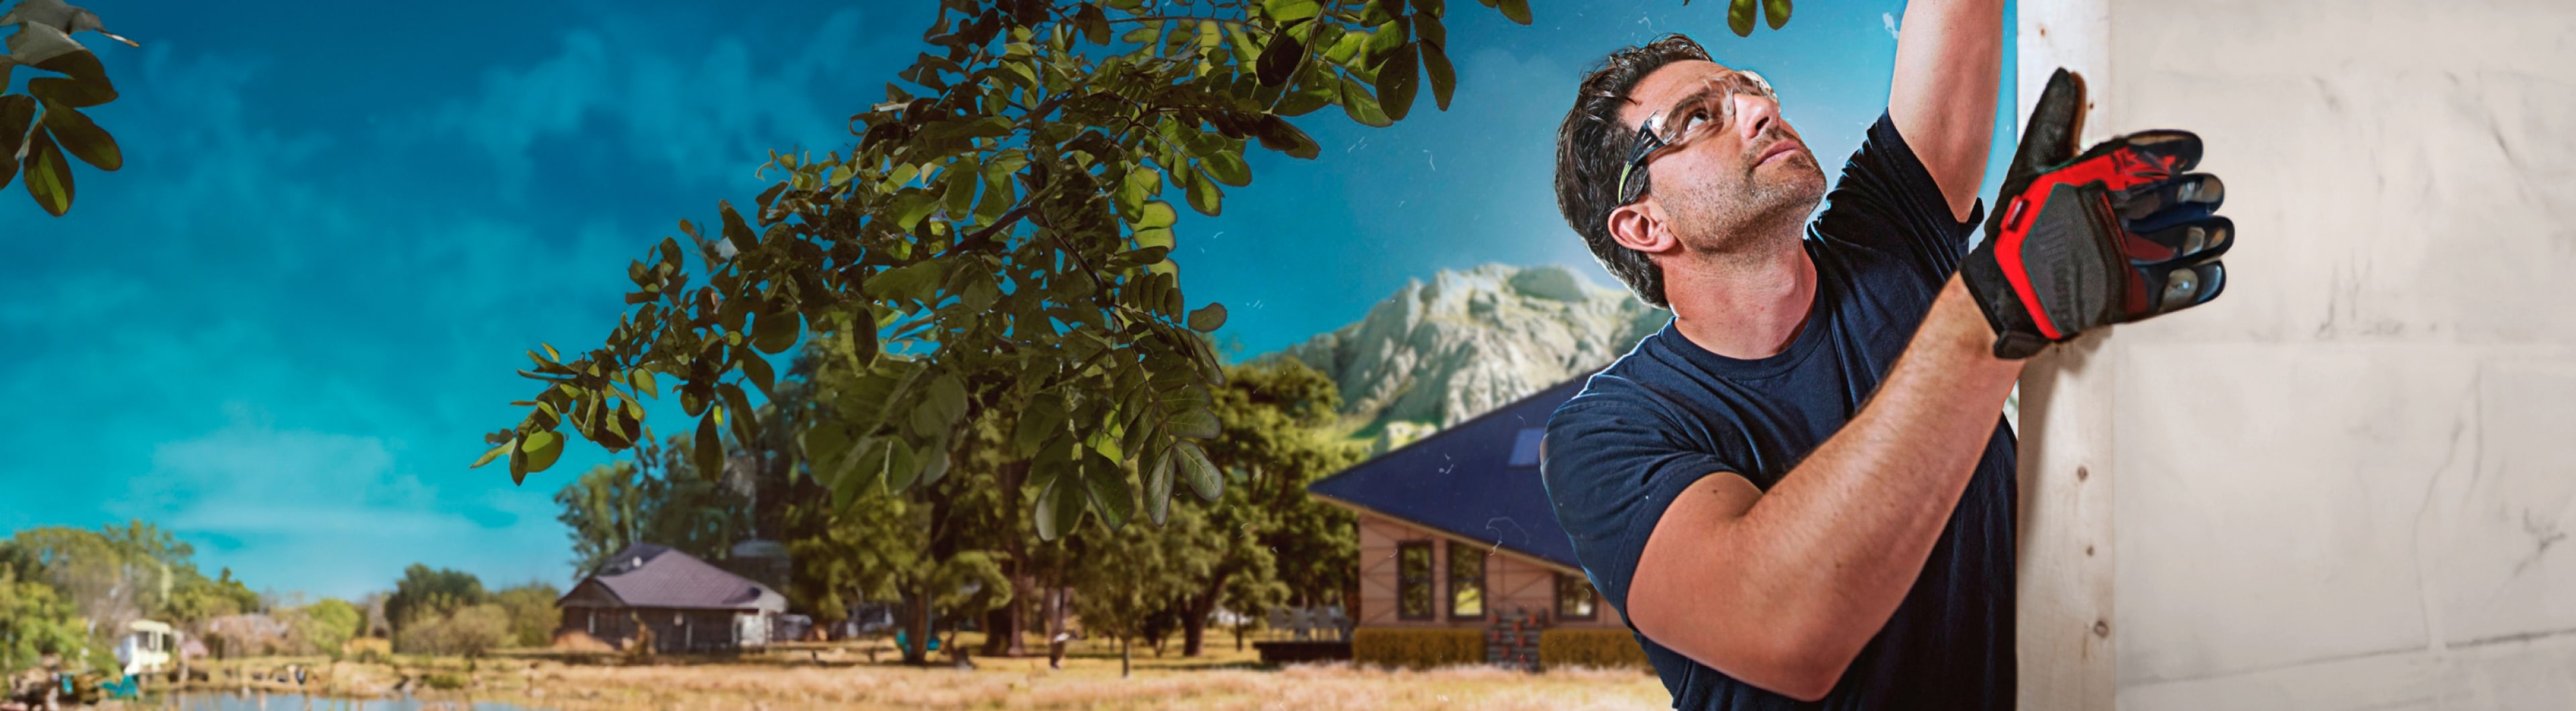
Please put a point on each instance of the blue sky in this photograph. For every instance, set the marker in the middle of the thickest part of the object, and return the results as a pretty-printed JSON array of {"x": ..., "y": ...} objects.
[{"x": 281, "y": 328}]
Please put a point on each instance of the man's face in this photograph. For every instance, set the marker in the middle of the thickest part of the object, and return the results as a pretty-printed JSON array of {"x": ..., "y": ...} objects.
[{"x": 1714, "y": 184}]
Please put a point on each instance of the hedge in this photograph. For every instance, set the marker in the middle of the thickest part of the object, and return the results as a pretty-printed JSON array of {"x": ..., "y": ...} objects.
[
  {"x": 1417, "y": 648},
  {"x": 1602, "y": 648}
]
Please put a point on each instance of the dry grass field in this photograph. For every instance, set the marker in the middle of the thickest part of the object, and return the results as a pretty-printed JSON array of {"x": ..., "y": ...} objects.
[{"x": 839, "y": 676}]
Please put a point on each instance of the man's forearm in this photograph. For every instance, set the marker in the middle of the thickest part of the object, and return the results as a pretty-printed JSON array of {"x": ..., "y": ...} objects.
[{"x": 1842, "y": 536}]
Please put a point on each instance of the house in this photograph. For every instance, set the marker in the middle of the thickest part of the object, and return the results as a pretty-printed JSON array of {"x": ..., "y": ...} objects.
[
  {"x": 1456, "y": 529},
  {"x": 686, "y": 604}
]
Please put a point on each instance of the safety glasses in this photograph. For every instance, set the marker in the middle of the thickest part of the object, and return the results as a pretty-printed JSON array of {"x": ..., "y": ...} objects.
[{"x": 1708, "y": 110}]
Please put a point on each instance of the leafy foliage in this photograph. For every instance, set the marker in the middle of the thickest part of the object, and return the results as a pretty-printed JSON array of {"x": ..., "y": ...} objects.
[
  {"x": 532, "y": 612},
  {"x": 468, "y": 630},
  {"x": 657, "y": 498},
  {"x": 325, "y": 626},
  {"x": 997, "y": 240},
  {"x": 44, "y": 124},
  {"x": 34, "y": 622},
  {"x": 424, "y": 595}
]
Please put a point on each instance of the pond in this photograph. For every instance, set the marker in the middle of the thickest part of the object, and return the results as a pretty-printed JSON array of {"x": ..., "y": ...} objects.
[{"x": 300, "y": 702}]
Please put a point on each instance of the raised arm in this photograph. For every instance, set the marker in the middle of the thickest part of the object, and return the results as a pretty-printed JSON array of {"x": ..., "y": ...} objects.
[
  {"x": 1782, "y": 589},
  {"x": 1948, "y": 58}
]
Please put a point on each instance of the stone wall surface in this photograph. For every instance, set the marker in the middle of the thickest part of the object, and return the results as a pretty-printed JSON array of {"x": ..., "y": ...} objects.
[{"x": 2349, "y": 482}]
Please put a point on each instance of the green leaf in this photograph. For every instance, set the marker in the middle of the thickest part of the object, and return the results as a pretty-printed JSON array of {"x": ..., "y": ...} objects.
[
  {"x": 86, "y": 86},
  {"x": 1287, "y": 11},
  {"x": 542, "y": 448},
  {"x": 1279, "y": 61},
  {"x": 775, "y": 331},
  {"x": 1739, "y": 17},
  {"x": 710, "y": 448},
  {"x": 1444, "y": 78},
  {"x": 1157, "y": 213},
  {"x": 494, "y": 453},
  {"x": 1059, "y": 507},
  {"x": 1157, "y": 471},
  {"x": 1204, "y": 195},
  {"x": 1227, "y": 167},
  {"x": 1514, "y": 10},
  {"x": 1361, "y": 106},
  {"x": 1195, "y": 468},
  {"x": 900, "y": 468},
  {"x": 945, "y": 399},
  {"x": 746, "y": 422},
  {"x": 934, "y": 460},
  {"x": 827, "y": 451},
  {"x": 1279, "y": 135},
  {"x": 17, "y": 115},
  {"x": 83, "y": 138},
  {"x": 1042, "y": 419},
  {"x": 643, "y": 381},
  {"x": 1107, "y": 485},
  {"x": 917, "y": 281},
  {"x": 1196, "y": 422},
  {"x": 960, "y": 192},
  {"x": 762, "y": 377},
  {"x": 1398, "y": 80},
  {"x": 49, "y": 177},
  {"x": 1428, "y": 7},
  {"x": 1208, "y": 318},
  {"x": 1775, "y": 12}
]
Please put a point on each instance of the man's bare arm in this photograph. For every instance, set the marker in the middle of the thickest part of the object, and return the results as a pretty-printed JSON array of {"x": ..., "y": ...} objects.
[
  {"x": 1948, "y": 57},
  {"x": 1781, "y": 590}
]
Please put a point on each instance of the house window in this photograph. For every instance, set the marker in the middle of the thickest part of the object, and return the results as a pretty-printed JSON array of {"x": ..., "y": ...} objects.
[
  {"x": 1413, "y": 580},
  {"x": 1466, "y": 581},
  {"x": 1575, "y": 598}
]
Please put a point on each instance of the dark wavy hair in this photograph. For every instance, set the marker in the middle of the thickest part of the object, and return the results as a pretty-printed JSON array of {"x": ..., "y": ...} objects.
[{"x": 1591, "y": 147}]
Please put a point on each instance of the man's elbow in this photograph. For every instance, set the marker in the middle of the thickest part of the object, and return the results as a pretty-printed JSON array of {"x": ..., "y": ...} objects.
[{"x": 1802, "y": 662}]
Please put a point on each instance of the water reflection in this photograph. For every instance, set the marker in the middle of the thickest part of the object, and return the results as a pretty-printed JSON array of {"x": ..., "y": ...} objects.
[{"x": 300, "y": 702}]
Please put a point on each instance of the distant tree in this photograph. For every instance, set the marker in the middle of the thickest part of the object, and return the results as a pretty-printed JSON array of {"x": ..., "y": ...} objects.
[
  {"x": 43, "y": 124},
  {"x": 1125, "y": 581},
  {"x": 533, "y": 616},
  {"x": 468, "y": 630},
  {"x": 424, "y": 594},
  {"x": 325, "y": 626},
  {"x": 1273, "y": 542},
  {"x": 659, "y": 497},
  {"x": 35, "y": 621}
]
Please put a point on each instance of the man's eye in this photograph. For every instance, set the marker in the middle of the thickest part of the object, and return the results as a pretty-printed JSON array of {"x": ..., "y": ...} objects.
[{"x": 1692, "y": 123}]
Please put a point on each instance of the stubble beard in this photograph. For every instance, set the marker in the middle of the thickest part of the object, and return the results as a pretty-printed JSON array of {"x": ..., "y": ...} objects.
[{"x": 1753, "y": 211}]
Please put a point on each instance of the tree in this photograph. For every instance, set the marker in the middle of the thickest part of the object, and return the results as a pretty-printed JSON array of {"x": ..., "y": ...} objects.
[
  {"x": 997, "y": 225},
  {"x": 34, "y": 622},
  {"x": 424, "y": 595},
  {"x": 1125, "y": 581},
  {"x": 658, "y": 498},
  {"x": 532, "y": 612},
  {"x": 468, "y": 630},
  {"x": 44, "y": 123},
  {"x": 1277, "y": 418},
  {"x": 937, "y": 548},
  {"x": 325, "y": 626}
]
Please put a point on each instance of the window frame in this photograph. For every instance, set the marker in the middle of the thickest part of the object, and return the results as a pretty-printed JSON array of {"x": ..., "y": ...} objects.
[
  {"x": 1403, "y": 582},
  {"x": 1594, "y": 609},
  {"x": 1484, "y": 572}
]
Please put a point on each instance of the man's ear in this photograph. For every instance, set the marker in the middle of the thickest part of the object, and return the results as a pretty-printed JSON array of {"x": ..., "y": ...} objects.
[{"x": 1640, "y": 227}]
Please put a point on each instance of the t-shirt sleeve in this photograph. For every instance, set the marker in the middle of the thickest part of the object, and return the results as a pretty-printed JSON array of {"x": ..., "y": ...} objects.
[
  {"x": 1887, "y": 201},
  {"x": 1611, "y": 468}
]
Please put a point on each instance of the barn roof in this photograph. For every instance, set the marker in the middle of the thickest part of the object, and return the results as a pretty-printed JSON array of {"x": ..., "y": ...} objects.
[
  {"x": 648, "y": 575},
  {"x": 1477, "y": 480}
]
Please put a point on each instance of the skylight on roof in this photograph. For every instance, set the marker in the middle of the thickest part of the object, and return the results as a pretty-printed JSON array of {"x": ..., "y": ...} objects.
[{"x": 1525, "y": 446}]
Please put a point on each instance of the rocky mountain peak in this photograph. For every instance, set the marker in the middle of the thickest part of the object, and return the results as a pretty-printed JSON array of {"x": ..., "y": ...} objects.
[{"x": 1441, "y": 351}]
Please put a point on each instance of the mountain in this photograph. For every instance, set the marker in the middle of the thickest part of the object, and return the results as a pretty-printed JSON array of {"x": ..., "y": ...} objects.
[{"x": 1439, "y": 352}]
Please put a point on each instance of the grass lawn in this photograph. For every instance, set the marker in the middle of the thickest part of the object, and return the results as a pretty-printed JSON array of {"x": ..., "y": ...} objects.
[{"x": 840, "y": 676}]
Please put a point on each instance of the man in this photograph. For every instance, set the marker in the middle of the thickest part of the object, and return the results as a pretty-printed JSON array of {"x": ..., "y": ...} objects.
[{"x": 1799, "y": 493}]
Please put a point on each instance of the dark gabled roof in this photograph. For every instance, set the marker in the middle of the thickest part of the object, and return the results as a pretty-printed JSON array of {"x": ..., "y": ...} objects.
[
  {"x": 648, "y": 575},
  {"x": 1461, "y": 481}
]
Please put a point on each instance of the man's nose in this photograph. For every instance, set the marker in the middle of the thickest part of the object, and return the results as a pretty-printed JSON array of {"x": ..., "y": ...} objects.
[{"x": 1754, "y": 114}]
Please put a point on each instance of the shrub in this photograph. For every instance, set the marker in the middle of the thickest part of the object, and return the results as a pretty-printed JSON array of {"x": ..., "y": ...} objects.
[
  {"x": 1590, "y": 648},
  {"x": 1417, "y": 648},
  {"x": 444, "y": 681},
  {"x": 468, "y": 631}
]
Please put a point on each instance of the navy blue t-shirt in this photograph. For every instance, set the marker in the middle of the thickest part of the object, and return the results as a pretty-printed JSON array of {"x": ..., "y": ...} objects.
[{"x": 1670, "y": 412}]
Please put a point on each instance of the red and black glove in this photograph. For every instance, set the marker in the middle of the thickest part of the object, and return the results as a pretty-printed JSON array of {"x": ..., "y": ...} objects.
[{"x": 2118, "y": 233}]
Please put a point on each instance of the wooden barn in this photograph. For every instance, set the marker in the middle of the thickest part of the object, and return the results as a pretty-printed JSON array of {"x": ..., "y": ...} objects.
[
  {"x": 1456, "y": 529},
  {"x": 687, "y": 604}
]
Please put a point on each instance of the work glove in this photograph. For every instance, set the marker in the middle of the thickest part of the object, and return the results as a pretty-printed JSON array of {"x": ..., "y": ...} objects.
[{"x": 2118, "y": 233}]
